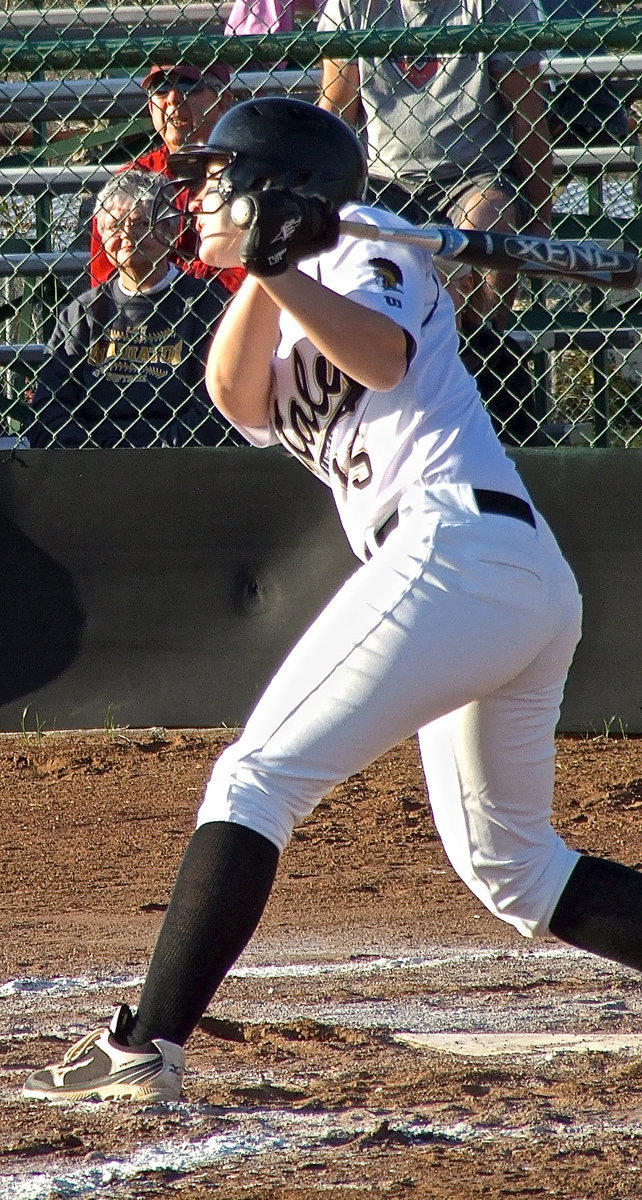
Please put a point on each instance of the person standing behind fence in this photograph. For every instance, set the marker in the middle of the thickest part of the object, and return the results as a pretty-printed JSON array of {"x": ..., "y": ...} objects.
[
  {"x": 185, "y": 102},
  {"x": 252, "y": 17},
  {"x": 458, "y": 139},
  {"x": 127, "y": 362},
  {"x": 256, "y": 17}
]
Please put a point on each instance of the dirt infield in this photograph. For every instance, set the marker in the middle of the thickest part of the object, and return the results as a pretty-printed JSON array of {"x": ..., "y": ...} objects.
[{"x": 382, "y": 1036}]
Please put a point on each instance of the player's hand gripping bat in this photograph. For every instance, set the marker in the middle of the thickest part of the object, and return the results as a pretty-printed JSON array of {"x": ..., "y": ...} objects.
[{"x": 282, "y": 228}]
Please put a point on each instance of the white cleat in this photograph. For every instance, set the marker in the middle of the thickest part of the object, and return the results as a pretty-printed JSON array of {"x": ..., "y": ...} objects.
[{"x": 99, "y": 1068}]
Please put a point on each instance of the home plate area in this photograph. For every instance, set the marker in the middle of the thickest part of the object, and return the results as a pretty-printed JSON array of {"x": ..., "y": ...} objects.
[{"x": 381, "y": 1036}]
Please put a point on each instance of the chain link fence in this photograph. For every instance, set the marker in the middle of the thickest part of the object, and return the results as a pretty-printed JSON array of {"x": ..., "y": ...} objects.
[{"x": 103, "y": 367}]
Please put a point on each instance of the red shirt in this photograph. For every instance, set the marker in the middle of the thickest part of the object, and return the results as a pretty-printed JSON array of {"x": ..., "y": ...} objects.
[{"x": 101, "y": 269}]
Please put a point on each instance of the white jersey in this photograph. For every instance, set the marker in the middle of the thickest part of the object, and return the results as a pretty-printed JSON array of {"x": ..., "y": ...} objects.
[{"x": 368, "y": 446}]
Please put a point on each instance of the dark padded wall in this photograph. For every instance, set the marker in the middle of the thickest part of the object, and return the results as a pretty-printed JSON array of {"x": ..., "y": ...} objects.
[
  {"x": 593, "y": 501},
  {"x": 163, "y": 587}
]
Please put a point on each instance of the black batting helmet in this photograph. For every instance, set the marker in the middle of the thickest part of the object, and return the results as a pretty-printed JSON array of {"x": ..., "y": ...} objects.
[{"x": 278, "y": 142}]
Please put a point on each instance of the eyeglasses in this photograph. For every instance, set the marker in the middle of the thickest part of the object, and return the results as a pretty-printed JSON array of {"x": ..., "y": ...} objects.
[
  {"x": 136, "y": 227},
  {"x": 182, "y": 83}
]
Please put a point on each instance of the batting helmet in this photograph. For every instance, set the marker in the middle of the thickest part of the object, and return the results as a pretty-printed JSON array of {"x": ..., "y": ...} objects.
[{"x": 278, "y": 142}]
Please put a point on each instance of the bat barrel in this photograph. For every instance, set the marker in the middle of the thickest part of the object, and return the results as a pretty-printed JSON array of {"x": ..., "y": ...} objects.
[
  {"x": 546, "y": 256},
  {"x": 585, "y": 261}
]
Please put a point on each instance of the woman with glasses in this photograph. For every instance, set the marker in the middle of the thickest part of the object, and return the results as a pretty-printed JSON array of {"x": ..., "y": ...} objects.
[{"x": 127, "y": 358}]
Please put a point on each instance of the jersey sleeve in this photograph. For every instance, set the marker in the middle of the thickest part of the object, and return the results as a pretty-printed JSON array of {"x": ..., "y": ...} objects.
[
  {"x": 396, "y": 280},
  {"x": 261, "y": 438}
]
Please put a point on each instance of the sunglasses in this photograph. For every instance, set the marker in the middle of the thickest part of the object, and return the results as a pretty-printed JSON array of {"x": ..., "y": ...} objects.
[{"x": 182, "y": 83}]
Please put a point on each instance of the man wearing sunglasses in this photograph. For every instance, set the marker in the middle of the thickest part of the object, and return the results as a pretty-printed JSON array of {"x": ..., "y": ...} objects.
[{"x": 185, "y": 102}]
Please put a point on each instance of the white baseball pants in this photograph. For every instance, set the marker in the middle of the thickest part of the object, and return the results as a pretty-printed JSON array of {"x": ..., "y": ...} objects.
[{"x": 461, "y": 628}]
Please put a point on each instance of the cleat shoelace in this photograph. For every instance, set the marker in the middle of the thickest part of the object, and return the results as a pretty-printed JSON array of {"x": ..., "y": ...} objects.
[{"x": 80, "y": 1047}]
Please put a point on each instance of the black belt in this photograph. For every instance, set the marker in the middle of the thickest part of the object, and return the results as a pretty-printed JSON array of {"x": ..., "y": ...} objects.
[{"x": 500, "y": 503}]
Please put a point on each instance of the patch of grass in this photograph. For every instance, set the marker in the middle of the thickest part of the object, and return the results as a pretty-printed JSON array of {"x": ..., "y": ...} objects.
[
  {"x": 38, "y": 731},
  {"x": 111, "y": 726},
  {"x": 614, "y": 727}
]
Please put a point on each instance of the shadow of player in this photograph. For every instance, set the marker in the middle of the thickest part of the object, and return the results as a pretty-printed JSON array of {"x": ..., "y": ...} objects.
[{"x": 41, "y": 617}]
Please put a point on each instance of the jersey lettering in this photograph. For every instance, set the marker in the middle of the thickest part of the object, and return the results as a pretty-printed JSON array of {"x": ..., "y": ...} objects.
[
  {"x": 357, "y": 472},
  {"x": 305, "y": 422}
]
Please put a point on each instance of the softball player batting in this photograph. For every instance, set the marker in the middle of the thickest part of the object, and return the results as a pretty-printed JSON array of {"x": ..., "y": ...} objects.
[{"x": 460, "y": 624}]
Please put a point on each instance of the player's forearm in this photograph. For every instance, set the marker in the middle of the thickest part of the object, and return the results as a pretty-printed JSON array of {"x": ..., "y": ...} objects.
[
  {"x": 239, "y": 365},
  {"x": 364, "y": 344}
]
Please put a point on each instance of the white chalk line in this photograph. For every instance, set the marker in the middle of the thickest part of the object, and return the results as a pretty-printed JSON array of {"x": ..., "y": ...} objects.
[
  {"x": 261, "y": 1133},
  {"x": 277, "y": 1132},
  {"x": 63, "y": 986},
  {"x": 36, "y": 1007}
]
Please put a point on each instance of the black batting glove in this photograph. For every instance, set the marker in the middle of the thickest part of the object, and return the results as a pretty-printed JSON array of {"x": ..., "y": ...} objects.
[{"x": 283, "y": 227}]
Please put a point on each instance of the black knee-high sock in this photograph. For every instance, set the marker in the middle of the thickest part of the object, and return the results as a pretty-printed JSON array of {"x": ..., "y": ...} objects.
[
  {"x": 220, "y": 892},
  {"x": 600, "y": 910}
]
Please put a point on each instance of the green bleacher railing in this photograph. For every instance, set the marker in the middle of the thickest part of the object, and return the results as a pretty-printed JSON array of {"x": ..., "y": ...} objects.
[{"x": 306, "y": 47}]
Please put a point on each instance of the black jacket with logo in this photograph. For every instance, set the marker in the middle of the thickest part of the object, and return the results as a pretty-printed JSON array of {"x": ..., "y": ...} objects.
[{"x": 129, "y": 369}]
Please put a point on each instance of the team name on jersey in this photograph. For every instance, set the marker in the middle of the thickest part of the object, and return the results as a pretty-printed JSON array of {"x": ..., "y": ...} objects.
[{"x": 306, "y": 421}]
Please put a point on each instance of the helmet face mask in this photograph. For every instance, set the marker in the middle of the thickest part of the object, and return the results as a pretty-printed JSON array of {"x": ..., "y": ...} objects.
[{"x": 277, "y": 142}]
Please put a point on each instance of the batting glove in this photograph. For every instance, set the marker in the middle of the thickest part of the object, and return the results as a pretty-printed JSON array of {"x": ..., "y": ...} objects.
[{"x": 283, "y": 227}]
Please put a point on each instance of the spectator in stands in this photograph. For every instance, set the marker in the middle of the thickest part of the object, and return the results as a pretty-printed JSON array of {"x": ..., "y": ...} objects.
[
  {"x": 185, "y": 102},
  {"x": 264, "y": 17},
  {"x": 126, "y": 366},
  {"x": 503, "y": 379},
  {"x": 462, "y": 139},
  {"x": 247, "y": 17}
]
